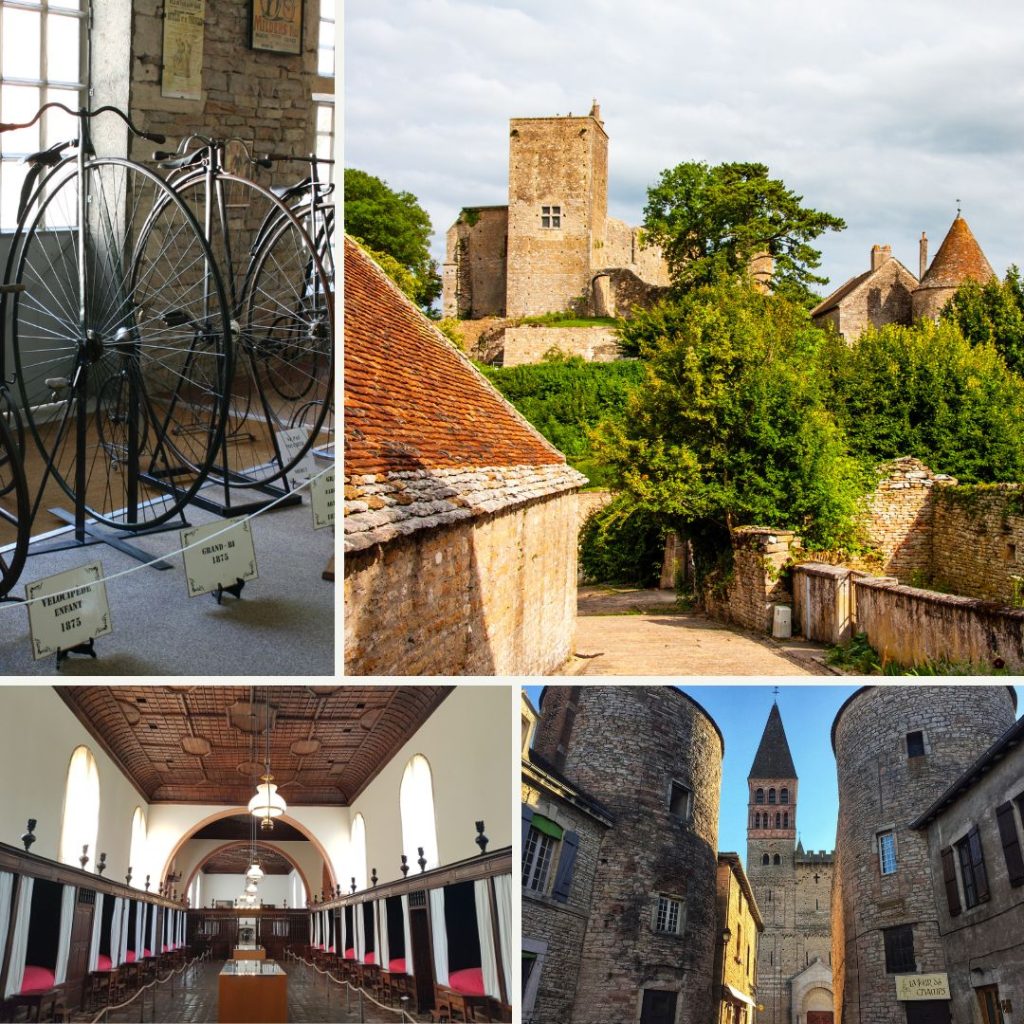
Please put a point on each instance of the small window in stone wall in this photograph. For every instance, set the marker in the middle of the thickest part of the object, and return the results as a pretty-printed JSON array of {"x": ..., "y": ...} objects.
[
  {"x": 887, "y": 852},
  {"x": 759, "y": 797},
  {"x": 679, "y": 800},
  {"x": 550, "y": 216},
  {"x": 778, "y": 860},
  {"x": 668, "y": 916},
  {"x": 972, "y": 868},
  {"x": 765, "y": 859},
  {"x": 784, "y": 795},
  {"x": 899, "y": 949},
  {"x": 915, "y": 744},
  {"x": 771, "y": 796},
  {"x": 1011, "y": 552}
]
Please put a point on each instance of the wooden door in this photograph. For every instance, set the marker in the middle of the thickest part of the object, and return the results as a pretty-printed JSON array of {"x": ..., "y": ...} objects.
[
  {"x": 81, "y": 938},
  {"x": 988, "y": 1000},
  {"x": 819, "y": 1017},
  {"x": 659, "y": 1007},
  {"x": 422, "y": 952}
]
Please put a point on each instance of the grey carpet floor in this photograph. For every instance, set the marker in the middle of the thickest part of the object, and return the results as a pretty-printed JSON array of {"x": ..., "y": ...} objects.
[{"x": 283, "y": 624}]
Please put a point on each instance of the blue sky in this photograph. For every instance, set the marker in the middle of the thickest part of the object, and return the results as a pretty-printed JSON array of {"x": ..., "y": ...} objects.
[{"x": 807, "y": 714}]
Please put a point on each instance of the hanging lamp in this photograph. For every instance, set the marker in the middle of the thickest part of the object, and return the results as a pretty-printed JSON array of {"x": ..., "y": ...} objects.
[{"x": 267, "y": 804}]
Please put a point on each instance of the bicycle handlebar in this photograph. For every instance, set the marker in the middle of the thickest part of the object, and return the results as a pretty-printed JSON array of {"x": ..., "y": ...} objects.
[
  {"x": 309, "y": 158},
  {"x": 83, "y": 113}
]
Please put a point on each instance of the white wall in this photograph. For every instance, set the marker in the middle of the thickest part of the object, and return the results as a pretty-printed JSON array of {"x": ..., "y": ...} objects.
[
  {"x": 305, "y": 854},
  {"x": 272, "y": 888}
]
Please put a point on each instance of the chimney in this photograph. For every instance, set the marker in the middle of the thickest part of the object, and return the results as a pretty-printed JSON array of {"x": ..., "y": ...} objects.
[
  {"x": 595, "y": 112},
  {"x": 923, "y": 259},
  {"x": 880, "y": 254}
]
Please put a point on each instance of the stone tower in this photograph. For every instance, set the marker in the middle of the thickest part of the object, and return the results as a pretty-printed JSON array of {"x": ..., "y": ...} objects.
[
  {"x": 897, "y": 749},
  {"x": 557, "y": 209},
  {"x": 792, "y": 888},
  {"x": 653, "y": 757},
  {"x": 959, "y": 259}
]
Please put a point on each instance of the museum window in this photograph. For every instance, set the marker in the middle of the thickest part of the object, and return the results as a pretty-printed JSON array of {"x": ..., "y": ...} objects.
[
  {"x": 887, "y": 852},
  {"x": 359, "y": 851},
  {"x": 81, "y": 808},
  {"x": 759, "y": 797},
  {"x": 550, "y": 216},
  {"x": 42, "y": 59},
  {"x": 668, "y": 916},
  {"x": 771, "y": 796},
  {"x": 1010, "y": 840},
  {"x": 416, "y": 802},
  {"x": 540, "y": 847},
  {"x": 784, "y": 795},
  {"x": 899, "y": 949},
  {"x": 137, "y": 852},
  {"x": 679, "y": 800},
  {"x": 972, "y": 868},
  {"x": 915, "y": 744}
]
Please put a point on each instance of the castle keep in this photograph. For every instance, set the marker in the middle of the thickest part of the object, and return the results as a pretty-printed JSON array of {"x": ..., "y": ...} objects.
[{"x": 554, "y": 242}]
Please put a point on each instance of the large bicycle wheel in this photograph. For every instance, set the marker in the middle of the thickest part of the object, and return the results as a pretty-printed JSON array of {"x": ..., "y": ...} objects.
[
  {"x": 117, "y": 299},
  {"x": 14, "y": 508},
  {"x": 282, "y": 305}
]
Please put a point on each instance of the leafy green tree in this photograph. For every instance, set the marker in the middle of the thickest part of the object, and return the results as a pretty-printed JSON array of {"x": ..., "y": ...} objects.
[
  {"x": 395, "y": 224},
  {"x": 712, "y": 221},
  {"x": 993, "y": 312},
  {"x": 731, "y": 427},
  {"x": 926, "y": 391}
]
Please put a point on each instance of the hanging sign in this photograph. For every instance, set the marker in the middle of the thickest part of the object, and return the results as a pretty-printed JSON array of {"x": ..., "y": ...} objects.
[
  {"x": 182, "y": 76},
  {"x": 291, "y": 442},
  {"x": 321, "y": 492},
  {"x": 218, "y": 555},
  {"x": 67, "y": 609},
  {"x": 922, "y": 986}
]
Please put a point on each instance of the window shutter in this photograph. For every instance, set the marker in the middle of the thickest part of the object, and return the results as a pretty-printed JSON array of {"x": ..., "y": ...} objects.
[
  {"x": 1011, "y": 843},
  {"x": 949, "y": 877},
  {"x": 527, "y": 819},
  {"x": 566, "y": 867},
  {"x": 978, "y": 860}
]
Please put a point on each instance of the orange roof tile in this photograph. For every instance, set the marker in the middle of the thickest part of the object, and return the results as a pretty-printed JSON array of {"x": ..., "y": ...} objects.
[{"x": 959, "y": 259}]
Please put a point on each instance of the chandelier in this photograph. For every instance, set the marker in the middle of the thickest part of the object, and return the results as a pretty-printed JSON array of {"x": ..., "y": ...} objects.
[{"x": 267, "y": 804}]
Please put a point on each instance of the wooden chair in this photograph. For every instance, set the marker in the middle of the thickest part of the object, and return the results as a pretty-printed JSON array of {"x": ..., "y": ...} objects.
[
  {"x": 448, "y": 1005},
  {"x": 46, "y": 1005}
]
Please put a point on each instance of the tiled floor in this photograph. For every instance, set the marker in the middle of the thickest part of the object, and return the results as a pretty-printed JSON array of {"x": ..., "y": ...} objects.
[{"x": 194, "y": 1000}]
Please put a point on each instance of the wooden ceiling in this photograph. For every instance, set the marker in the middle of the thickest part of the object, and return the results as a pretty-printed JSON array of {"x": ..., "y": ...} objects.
[
  {"x": 194, "y": 744},
  {"x": 235, "y": 861},
  {"x": 238, "y": 827}
]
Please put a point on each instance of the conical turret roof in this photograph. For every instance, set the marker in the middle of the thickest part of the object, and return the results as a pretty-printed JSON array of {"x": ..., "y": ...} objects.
[
  {"x": 959, "y": 259},
  {"x": 773, "y": 759}
]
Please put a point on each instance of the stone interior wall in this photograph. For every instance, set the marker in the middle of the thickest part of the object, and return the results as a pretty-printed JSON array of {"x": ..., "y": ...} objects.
[
  {"x": 474, "y": 273},
  {"x": 912, "y": 626},
  {"x": 881, "y": 788},
  {"x": 561, "y": 925},
  {"x": 559, "y": 161},
  {"x": 530, "y": 344},
  {"x": 759, "y": 555},
  {"x": 490, "y": 595}
]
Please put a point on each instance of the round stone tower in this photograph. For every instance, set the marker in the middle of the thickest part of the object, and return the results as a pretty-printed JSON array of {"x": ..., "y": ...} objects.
[
  {"x": 959, "y": 259},
  {"x": 897, "y": 749},
  {"x": 653, "y": 757}
]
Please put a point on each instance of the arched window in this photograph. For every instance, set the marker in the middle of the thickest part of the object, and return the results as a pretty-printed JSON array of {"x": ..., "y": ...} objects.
[
  {"x": 778, "y": 820},
  {"x": 778, "y": 859},
  {"x": 783, "y": 795},
  {"x": 416, "y": 800},
  {"x": 771, "y": 796},
  {"x": 759, "y": 797},
  {"x": 785, "y": 819},
  {"x": 137, "y": 852},
  {"x": 764, "y": 859},
  {"x": 81, "y": 808},
  {"x": 359, "y": 851}
]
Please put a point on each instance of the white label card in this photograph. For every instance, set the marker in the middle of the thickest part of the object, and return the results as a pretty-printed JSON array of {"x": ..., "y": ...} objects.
[
  {"x": 67, "y": 609},
  {"x": 291, "y": 442},
  {"x": 321, "y": 492},
  {"x": 218, "y": 554}
]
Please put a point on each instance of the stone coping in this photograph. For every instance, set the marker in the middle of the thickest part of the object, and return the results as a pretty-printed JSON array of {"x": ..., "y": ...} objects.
[{"x": 934, "y": 597}]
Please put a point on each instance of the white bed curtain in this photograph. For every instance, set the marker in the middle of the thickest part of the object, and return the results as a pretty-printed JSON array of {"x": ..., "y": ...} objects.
[
  {"x": 439, "y": 935},
  {"x": 6, "y": 891},
  {"x": 153, "y": 949},
  {"x": 115, "y": 932},
  {"x": 19, "y": 942},
  {"x": 181, "y": 929},
  {"x": 325, "y": 929},
  {"x": 357, "y": 915},
  {"x": 503, "y": 899},
  {"x": 67, "y": 917},
  {"x": 140, "y": 929},
  {"x": 97, "y": 925},
  {"x": 408, "y": 934},
  {"x": 485, "y": 928},
  {"x": 383, "y": 946},
  {"x": 342, "y": 934},
  {"x": 126, "y": 919}
]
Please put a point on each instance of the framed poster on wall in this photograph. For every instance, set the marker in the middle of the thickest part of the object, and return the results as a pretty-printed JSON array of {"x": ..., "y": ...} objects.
[{"x": 276, "y": 25}]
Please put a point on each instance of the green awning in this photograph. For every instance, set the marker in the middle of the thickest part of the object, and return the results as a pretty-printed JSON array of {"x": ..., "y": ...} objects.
[
  {"x": 547, "y": 826},
  {"x": 527, "y": 955}
]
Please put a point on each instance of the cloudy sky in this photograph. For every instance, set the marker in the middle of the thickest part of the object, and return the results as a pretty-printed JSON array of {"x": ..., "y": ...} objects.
[{"x": 885, "y": 113}]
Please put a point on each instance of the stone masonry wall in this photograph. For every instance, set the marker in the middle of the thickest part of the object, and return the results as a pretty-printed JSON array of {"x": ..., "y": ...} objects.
[
  {"x": 474, "y": 273},
  {"x": 739, "y": 958},
  {"x": 759, "y": 555},
  {"x": 885, "y": 299},
  {"x": 881, "y": 788},
  {"x": 626, "y": 746},
  {"x": 490, "y": 595},
  {"x": 531, "y": 344}
]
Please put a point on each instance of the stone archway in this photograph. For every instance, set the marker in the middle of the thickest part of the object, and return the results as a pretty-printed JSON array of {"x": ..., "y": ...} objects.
[
  {"x": 234, "y": 844},
  {"x": 812, "y": 994}
]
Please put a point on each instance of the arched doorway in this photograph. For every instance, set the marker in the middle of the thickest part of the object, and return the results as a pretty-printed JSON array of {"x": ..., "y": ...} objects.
[{"x": 241, "y": 844}]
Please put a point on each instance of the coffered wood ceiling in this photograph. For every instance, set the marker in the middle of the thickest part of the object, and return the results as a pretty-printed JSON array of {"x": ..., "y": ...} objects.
[
  {"x": 194, "y": 744},
  {"x": 236, "y": 861}
]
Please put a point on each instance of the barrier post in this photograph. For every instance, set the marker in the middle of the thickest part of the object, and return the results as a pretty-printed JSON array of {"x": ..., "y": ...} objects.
[{"x": 362, "y": 1017}]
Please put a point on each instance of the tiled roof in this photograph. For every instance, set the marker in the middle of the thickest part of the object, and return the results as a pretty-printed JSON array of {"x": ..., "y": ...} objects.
[
  {"x": 959, "y": 258},
  {"x": 773, "y": 759},
  {"x": 427, "y": 439}
]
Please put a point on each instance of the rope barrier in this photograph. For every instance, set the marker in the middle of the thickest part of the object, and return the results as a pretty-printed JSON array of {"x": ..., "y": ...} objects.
[
  {"x": 142, "y": 989},
  {"x": 406, "y": 1019}
]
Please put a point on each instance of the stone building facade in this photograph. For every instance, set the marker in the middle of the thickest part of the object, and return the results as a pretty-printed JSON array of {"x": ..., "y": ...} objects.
[
  {"x": 975, "y": 832},
  {"x": 652, "y": 757},
  {"x": 554, "y": 246},
  {"x": 888, "y": 293},
  {"x": 737, "y": 935},
  {"x": 897, "y": 750},
  {"x": 460, "y": 519},
  {"x": 792, "y": 888}
]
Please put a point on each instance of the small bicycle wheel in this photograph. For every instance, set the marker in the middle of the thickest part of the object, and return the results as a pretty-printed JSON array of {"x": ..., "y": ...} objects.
[
  {"x": 113, "y": 407},
  {"x": 14, "y": 508},
  {"x": 282, "y": 302},
  {"x": 152, "y": 315}
]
